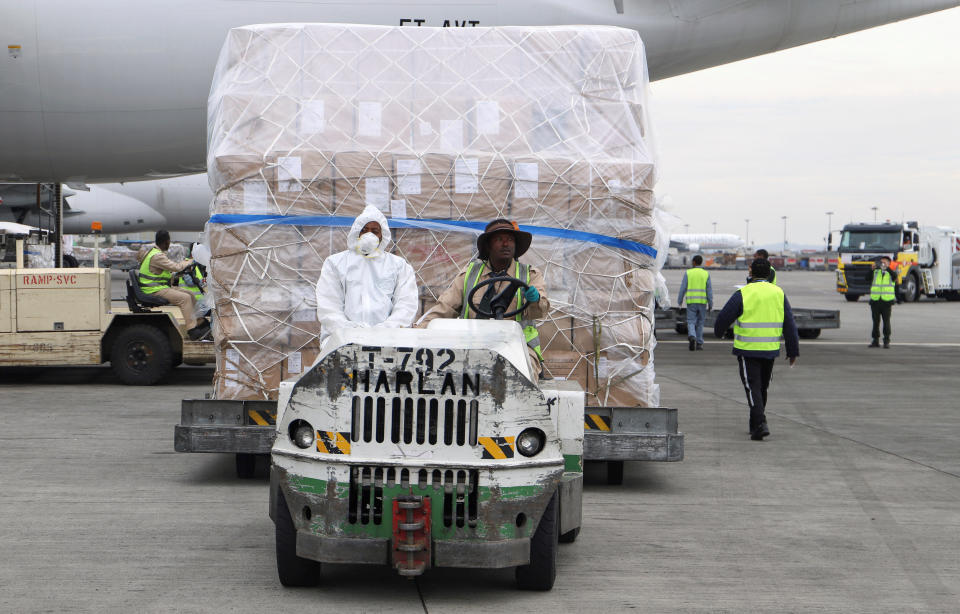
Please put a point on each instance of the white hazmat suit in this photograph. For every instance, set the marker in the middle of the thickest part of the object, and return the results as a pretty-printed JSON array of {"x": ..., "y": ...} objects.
[{"x": 365, "y": 286}]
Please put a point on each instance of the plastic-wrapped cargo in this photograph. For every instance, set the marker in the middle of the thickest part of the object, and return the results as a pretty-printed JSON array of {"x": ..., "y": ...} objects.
[{"x": 443, "y": 129}]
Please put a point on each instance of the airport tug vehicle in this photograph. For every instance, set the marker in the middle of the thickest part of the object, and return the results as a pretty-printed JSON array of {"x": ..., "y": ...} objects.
[
  {"x": 247, "y": 428},
  {"x": 427, "y": 448},
  {"x": 65, "y": 317}
]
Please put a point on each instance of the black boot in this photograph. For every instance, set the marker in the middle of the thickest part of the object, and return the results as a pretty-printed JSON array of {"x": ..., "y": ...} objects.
[
  {"x": 874, "y": 344},
  {"x": 692, "y": 342}
]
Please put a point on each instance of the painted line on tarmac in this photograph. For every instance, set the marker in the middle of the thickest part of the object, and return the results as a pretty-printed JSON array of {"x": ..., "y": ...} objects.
[{"x": 810, "y": 343}]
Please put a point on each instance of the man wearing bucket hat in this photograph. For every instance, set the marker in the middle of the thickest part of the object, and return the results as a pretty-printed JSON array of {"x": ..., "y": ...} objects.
[{"x": 499, "y": 249}]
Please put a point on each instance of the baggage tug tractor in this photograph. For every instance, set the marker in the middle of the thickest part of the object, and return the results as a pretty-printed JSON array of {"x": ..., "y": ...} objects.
[{"x": 426, "y": 448}]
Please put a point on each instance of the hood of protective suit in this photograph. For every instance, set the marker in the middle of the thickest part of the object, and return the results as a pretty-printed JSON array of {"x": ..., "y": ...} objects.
[{"x": 370, "y": 214}]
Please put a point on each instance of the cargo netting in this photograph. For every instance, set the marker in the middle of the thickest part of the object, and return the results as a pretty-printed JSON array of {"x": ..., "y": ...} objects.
[{"x": 444, "y": 130}]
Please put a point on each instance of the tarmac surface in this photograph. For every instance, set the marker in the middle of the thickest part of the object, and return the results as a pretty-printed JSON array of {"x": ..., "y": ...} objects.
[{"x": 852, "y": 504}]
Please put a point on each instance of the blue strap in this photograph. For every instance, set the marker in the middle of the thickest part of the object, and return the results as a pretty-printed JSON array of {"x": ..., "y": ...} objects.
[{"x": 338, "y": 221}]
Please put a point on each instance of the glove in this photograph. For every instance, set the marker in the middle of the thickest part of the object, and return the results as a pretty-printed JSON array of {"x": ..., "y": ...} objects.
[{"x": 532, "y": 294}]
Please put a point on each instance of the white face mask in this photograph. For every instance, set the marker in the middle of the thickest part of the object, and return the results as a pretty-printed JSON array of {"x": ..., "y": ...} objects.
[{"x": 367, "y": 243}]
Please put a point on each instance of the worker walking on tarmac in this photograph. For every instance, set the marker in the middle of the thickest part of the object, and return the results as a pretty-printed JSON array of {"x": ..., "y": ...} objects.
[
  {"x": 762, "y": 253},
  {"x": 760, "y": 315},
  {"x": 156, "y": 276},
  {"x": 695, "y": 286},
  {"x": 365, "y": 286},
  {"x": 499, "y": 248},
  {"x": 883, "y": 292}
]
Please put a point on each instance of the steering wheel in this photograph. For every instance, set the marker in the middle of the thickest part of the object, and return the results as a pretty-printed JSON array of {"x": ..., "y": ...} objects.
[{"x": 500, "y": 301}]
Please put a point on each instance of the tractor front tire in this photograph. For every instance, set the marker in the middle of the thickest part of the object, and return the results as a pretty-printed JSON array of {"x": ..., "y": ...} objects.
[
  {"x": 292, "y": 569},
  {"x": 141, "y": 355},
  {"x": 541, "y": 572}
]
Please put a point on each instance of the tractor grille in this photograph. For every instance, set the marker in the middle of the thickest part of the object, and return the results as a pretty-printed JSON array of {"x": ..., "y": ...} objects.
[
  {"x": 858, "y": 275},
  {"x": 459, "y": 488},
  {"x": 448, "y": 422}
]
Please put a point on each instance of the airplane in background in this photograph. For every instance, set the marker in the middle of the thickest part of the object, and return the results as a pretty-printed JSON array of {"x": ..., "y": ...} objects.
[
  {"x": 111, "y": 90},
  {"x": 118, "y": 213},
  {"x": 695, "y": 242}
]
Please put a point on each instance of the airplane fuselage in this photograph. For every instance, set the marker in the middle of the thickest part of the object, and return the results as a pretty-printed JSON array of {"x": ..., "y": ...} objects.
[{"x": 111, "y": 90}]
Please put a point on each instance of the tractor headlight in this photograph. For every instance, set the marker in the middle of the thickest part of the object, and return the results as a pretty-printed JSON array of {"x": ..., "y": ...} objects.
[
  {"x": 301, "y": 433},
  {"x": 530, "y": 442}
]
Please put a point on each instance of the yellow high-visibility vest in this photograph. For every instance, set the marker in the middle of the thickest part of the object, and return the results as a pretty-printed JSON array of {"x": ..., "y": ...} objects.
[
  {"x": 474, "y": 271},
  {"x": 760, "y": 326},
  {"x": 697, "y": 286}
]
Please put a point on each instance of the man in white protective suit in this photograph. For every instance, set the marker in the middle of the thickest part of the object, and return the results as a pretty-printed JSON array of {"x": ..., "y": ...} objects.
[{"x": 365, "y": 286}]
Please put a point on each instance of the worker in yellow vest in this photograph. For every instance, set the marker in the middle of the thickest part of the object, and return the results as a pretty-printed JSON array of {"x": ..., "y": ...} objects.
[
  {"x": 761, "y": 318},
  {"x": 499, "y": 249},
  {"x": 156, "y": 275},
  {"x": 883, "y": 293},
  {"x": 695, "y": 286}
]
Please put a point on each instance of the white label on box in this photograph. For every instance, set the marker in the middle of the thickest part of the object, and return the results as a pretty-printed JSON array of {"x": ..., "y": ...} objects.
[
  {"x": 274, "y": 299},
  {"x": 295, "y": 362},
  {"x": 233, "y": 359},
  {"x": 488, "y": 117},
  {"x": 466, "y": 176},
  {"x": 377, "y": 192},
  {"x": 312, "y": 119},
  {"x": 603, "y": 367},
  {"x": 527, "y": 183},
  {"x": 408, "y": 176},
  {"x": 255, "y": 197},
  {"x": 451, "y": 134},
  {"x": 426, "y": 128},
  {"x": 305, "y": 315},
  {"x": 398, "y": 208},
  {"x": 369, "y": 118},
  {"x": 288, "y": 168}
]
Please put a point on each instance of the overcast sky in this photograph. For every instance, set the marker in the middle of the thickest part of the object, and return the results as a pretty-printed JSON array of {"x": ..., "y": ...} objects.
[{"x": 868, "y": 119}]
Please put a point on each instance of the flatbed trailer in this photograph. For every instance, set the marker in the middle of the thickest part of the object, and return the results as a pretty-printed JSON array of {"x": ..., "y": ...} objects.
[
  {"x": 810, "y": 322},
  {"x": 247, "y": 429}
]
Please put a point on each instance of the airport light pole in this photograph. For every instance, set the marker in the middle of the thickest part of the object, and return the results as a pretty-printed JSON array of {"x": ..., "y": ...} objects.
[
  {"x": 714, "y": 228},
  {"x": 829, "y": 226},
  {"x": 874, "y": 209},
  {"x": 784, "y": 218},
  {"x": 746, "y": 241}
]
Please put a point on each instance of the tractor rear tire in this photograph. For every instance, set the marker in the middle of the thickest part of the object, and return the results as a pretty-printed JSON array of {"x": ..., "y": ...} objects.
[
  {"x": 570, "y": 536},
  {"x": 292, "y": 569},
  {"x": 541, "y": 572},
  {"x": 141, "y": 355},
  {"x": 615, "y": 473},
  {"x": 246, "y": 465}
]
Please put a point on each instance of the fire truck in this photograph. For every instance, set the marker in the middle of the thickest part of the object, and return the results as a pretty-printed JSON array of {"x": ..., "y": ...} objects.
[{"x": 924, "y": 259}]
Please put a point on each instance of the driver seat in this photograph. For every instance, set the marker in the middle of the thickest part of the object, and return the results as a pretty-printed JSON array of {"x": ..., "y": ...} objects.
[{"x": 137, "y": 300}]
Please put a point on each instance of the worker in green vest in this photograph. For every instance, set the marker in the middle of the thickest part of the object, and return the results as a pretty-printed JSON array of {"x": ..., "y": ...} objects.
[
  {"x": 762, "y": 253},
  {"x": 156, "y": 276},
  {"x": 761, "y": 318},
  {"x": 883, "y": 293},
  {"x": 695, "y": 286},
  {"x": 499, "y": 249}
]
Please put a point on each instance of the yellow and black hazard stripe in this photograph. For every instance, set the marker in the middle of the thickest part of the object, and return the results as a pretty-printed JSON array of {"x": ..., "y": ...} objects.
[
  {"x": 262, "y": 417},
  {"x": 596, "y": 422},
  {"x": 332, "y": 442},
  {"x": 496, "y": 447}
]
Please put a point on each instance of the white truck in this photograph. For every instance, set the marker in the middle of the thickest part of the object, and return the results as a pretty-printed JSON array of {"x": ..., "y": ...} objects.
[{"x": 925, "y": 259}]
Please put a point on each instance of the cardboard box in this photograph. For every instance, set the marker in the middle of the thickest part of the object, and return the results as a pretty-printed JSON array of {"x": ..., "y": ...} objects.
[
  {"x": 481, "y": 187},
  {"x": 361, "y": 179},
  {"x": 422, "y": 187}
]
